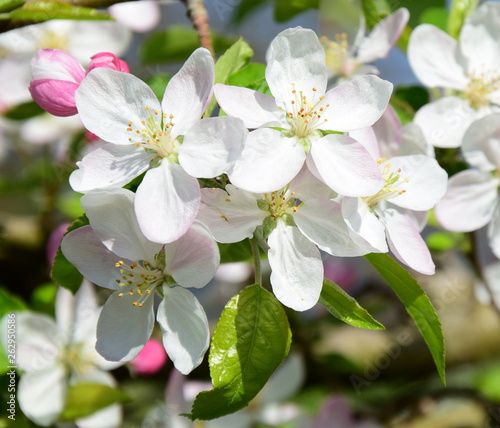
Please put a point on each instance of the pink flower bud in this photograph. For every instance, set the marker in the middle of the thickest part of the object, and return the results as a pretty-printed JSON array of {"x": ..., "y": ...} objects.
[
  {"x": 107, "y": 60},
  {"x": 150, "y": 359}
]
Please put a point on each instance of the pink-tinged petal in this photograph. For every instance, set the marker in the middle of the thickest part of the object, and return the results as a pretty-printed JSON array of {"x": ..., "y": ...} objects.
[
  {"x": 212, "y": 146},
  {"x": 268, "y": 161},
  {"x": 433, "y": 57},
  {"x": 422, "y": 180},
  {"x": 362, "y": 221},
  {"x": 469, "y": 202},
  {"x": 346, "y": 166},
  {"x": 335, "y": 413},
  {"x": 151, "y": 359},
  {"x": 185, "y": 328},
  {"x": 355, "y": 104},
  {"x": 296, "y": 61},
  {"x": 388, "y": 133},
  {"x": 42, "y": 394},
  {"x": 231, "y": 216},
  {"x": 307, "y": 185},
  {"x": 368, "y": 138},
  {"x": 406, "y": 243},
  {"x": 139, "y": 16},
  {"x": 110, "y": 166},
  {"x": 111, "y": 102},
  {"x": 322, "y": 222},
  {"x": 54, "y": 242},
  {"x": 107, "y": 60},
  {"x": 83, "y": 248},
  {"x": 189, "y": 91},
  {"x": 166, "y": 202},
  {"x": 112, "y": 217},
  {"x": 297, "y": 269},
  {"x": 55, "y": 96},
  {"x": 383, "y": 37},
  {"x": 494, "y": 231},
  {"x": 413, "y": 142},
  {"x": 123, "y": 328},
  {"x": 57, "y": 65},
  {"x": 193, "y": 259},
  {"x": 254, "y": 108},
  {"x": 444, "y": 122},
  {"x": 481, "y": 143}
]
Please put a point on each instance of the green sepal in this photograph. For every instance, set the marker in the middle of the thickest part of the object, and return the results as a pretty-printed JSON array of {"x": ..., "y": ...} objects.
[
  {"x": 268, "y": 225},
  {"x": 45, "y": 10}
]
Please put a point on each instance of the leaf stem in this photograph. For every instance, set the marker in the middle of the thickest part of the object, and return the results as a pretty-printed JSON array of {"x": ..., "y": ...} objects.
[{"x": 256, "y": 260}]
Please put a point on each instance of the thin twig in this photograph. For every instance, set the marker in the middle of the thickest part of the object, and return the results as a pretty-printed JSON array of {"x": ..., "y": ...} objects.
[{"x": 197, "y": 13}]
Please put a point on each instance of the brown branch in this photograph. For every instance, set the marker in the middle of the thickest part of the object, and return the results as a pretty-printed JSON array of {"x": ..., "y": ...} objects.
[{"x": 197, "y": 13}]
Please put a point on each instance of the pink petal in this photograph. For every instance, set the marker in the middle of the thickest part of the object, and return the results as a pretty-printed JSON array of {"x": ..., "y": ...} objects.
[
  {"x": 55, "y": 96},
  {"x": 107, "y": 60}
]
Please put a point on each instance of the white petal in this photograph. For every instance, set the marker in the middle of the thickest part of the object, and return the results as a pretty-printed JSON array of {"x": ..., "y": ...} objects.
[
  {"x": 166, "y": 202},
  {"x": 193, "y": 259},
  {"x": 65, "y": 311},
  {"x": 383, "y": 36},
  {"x": 433, "y": 57},
  {"x": 185, "y": 328},
  {"x": 469, "y": 201},
  {"x": 296, "y": 61},
  {"x": 231, "y": 216},
  {"x": 481, "y": 143},
  {"x": 189, "y": 91},
  {"x": 346, "y": 166},
  {"x": 254, "y": 108},
  {"x": 42, "y": 394},
  {"x": 307, "y": 185},
  {"x": 112, "y": 217},
  {"x": 426, "y": 184},
  {"x": 140, "y": 16},
  {"x": 413, "y": 142},
  {"x": 363, "y": 222},
  {"x": 123, "y": 328},
  {"x": 83, "y": 248},
  {"x": 494, "y": 231},
  {"x": 368, "y": 138},
  {"x": 445, "y": 121},
  {"x": 356, "y": 104},
  {"x": 406, "y": 243},
  {"x": 388, "y": 132},
  {"x": 211, "y": 146},
  {"x": 297, "y": 269},
  {"x": 285, "y": 381},
  {"x": 322, "y": 222},
  {"x": 39, "y": 341},
  {"x": 268, "y": 162},
  {"x": 109, "y": 166},
  {"x": 108, "y": 100}
]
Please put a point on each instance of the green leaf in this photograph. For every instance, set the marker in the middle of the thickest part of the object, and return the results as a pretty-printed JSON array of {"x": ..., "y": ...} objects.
[
  {"x": 45, "y": 10},
  {"x": 176, "y": 44},
  {"x": 459, "y": 11},
  {"x": 375, "y": 11},
  {"x": 8, "y": 5},
  {"x": 488, "y": 382},
  {"x": 24, "y": 111},
  {"x": 252, "y": 76},
  {"x": 251, "y": 340},
  {"x": 43, "y": 298},
  {"x": 63, "y": 272},
  {"x": 441, "y": 241},
  {"x": 158, "y": 84},
  {"x": 345, "y": 308},
  {"x": 437, "y": 16},
  {"x": 284, "y": 10},
  {"x": 416, "y": 303},
  {"x": 406, "y": 100},
  {"x": 237, "y": 252},
  {"x": 244, "y": 8},
  {"x": 230, "y": 62},
  {"x": 85, "y": 399}
]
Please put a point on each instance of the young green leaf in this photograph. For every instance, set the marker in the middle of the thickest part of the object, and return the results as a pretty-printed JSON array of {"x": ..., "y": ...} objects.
[
  {"x": 416, "y": 303},
  {"x": 345, "y": 308},
  {"x": 63, "y": 272},
  {"x": 459, "y": 11},
  {"x": 87, "y": 398},
  {"x": 45, "y": 10},
  {"x": 251, "y": 340},
  {"x": 252, "y": 76},
  {"x": 8, "y": 5},
  {"x": 284, "y": 10}
]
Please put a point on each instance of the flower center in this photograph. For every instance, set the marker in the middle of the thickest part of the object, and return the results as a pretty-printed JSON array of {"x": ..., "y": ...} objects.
[
  {"x": 77, "y": 358},
  {"x": 155, "y": 135},
  {"x": 305, "y": 115},
  {"x": 337, "y": 54},
  {"x": 480, "y": 87},
  {"x": 280, "y": 202},
  {"x": 392, "y": 187},
  {"x": 53, "y": 40},
  {"x": 141, "y": 277}
]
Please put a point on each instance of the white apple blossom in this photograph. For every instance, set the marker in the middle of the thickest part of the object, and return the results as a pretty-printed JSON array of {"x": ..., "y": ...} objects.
[
  {"x": 298, "y": 219},
  {"x": 57, "y": 354},
  {"x": 472, "y": 200},
  {"x": 346, "y": 58},
  {"x": 295, "y": 125},
  {"x": 113, "y": 252},
  {"x": 169, "y": 141},
  {"x": 469, "y": 67}
]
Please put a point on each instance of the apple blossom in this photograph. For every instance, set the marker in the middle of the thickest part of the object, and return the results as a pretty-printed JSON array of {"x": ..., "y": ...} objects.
[
  {"x": 297, "y": 220},
  {"x": 474, "y": 193},
  {"x": 113, "y": 252},
  {"x": 469, "y": 67},
  {"x": 347, "y": 58},
  {"x": 296, "y": 124},
  {"x": 60, "y": 353},
  {"x": 169, "y": 141}
]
